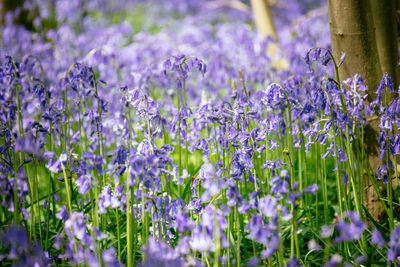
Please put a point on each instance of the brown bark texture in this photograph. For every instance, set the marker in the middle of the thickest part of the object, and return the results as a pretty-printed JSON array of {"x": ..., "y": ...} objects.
[
  {"x": 353, "y": 32},
  {"x": 386, "y": 32}
]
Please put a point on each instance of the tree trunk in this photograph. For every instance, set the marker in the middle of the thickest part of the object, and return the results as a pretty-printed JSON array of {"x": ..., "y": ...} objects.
[
  {"x": 265, "y": 26},
  {"x": 353, "y": 32},
  {"x": 384, "y": 14},
  {"x": 263, "y": 18}
]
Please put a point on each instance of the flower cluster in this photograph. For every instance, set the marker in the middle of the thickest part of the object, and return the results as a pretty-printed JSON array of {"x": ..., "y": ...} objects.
[{"x": 174, "y": 139}]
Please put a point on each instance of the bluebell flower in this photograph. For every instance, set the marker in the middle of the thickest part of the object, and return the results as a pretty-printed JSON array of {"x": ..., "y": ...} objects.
[
  {"x": 342, "y": 58},
  {"x": 351, "y": 231},
  {"x": 293, "y": 262},
  {"x": 183, "y": 222},
  {"x": 394, "y": 246},
  {"x": 273, "y": 145},
  {"x": 279, "y": 186},
  {"x": 62, "y": 214},
  {"x": 271, "y": 248},
  {"x": 386, "y": 82},
  {"x": 360, "y": 259},
  {"x": 28, "y": 145},
  {"x": 335, "y": 261},
  {"x": 159, "y": 253},
  {"x": 253, "y": 262},
  {"x": 313, "y": 245},
  {"x": 55, "y": 166},
  {"x": 121, "y": 155},
  {"x": 268, "y": 206},
  {"x": 345, "y": 179},
  {"x": 201, "y": 241},
  {"x": 377, "y": 239},
  {"x": 107, "y": 199},
  {"x": 318, "y": 54},
  {"x": 20, "y": 250},
  {"x": 16, "y": 237},
  {"x": 326, "y": 231},
  {"x": 311, "y": 189},
  {"x": 109, "y": 258},
  {"x": 84, "y": 183},
  {"x": 241, "y": 161}
]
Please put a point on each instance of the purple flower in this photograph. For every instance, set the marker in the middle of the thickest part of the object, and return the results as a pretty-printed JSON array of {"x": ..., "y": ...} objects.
[
  {"x": 109, "y": 258},
  {"x": 377, "y": 239},
  {"x": 271, "y": 248},
  {"x": 107, "y": 199},
  {"x": 345, "y": 179},
  {"x": 62, "y": 214},
  {"x": 342, "y": 57},
  {"x": 273, "y": 145},
  {"x": 201, "y": 241},
  {"x": 342, "y": 156},
  {"x": 75, "y": 226},
  {"x": 311, "y": 189},
  {"x": 253, "y": 262},
  {"x": 313, "y": 245},
  {"x": 334, "y": 261},
  {"x": 84, "y": 183},
  {"x": 159, "y": 253},
  {"x": 394, "y": 246},
  {"x": 28, "y": 145},
  {"x": 241, "y": 162},
  {"x": 294, "y": 262},
  {"x": 233, "y": 195},
  {"x": 326, "y": 231},
  {"x": 350, "y": 231},
  {"x": 183, "y": 222},
  {"x": 16, "y": 237},
  {"x": 268, "y": 206},
  {"x": 360, "y": 259},
  {"x": 207, "y": 171},
  {"x": 279, "y": 185},
  {"x": 318, "y": 54},
  {"x": 386, "y": 82},
  {"x": 121, "y": 155},
  {"x": 20, "y": 250}
]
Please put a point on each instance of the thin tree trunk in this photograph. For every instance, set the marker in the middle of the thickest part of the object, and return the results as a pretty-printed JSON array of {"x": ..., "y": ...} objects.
[
  {"x": 353, "y": 32},
  {"x": 265, "y": 26},
  {"x": 384, "y": 14},
  {"x": 263, "y": 18}
]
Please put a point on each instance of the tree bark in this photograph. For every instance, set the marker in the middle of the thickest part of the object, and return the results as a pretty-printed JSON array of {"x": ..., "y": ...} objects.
[
  {"x": 353, "y": 32},
  {"x": 384, "y": 14},
  {"x": 263, "y": 18}
]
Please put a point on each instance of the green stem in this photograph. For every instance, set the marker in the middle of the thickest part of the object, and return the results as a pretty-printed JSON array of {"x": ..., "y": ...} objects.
[
  {"x": 66, "y": 117},
  {"x": 294, "y": 241},
  {"x": 144, "y": 223},
  {"x": 324, "y": 188},
  {"x": 16, "y": 200},
  {"x": 337, "y": 172},
  {"x": 217, "y": 240},
  {"x": 179, "y": 139},
  {"x": 118, "y": 235},
  {"x": 67, "y": 188},
  {"x": 238, "y": 237},
  {"x": 129, "y": 224}
]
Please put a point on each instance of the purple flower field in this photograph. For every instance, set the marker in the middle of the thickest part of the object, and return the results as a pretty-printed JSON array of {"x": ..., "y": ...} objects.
[{"x": 174, "y": 133}]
